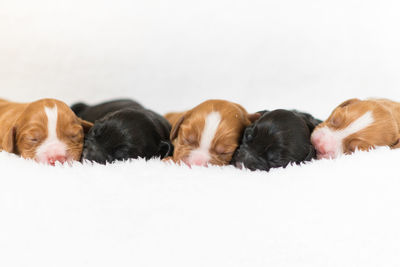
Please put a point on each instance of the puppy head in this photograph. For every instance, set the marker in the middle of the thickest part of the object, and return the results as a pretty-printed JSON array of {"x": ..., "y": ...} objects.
[
  {"x": 47, "y": 131},
  {"x": 356, "y": 124},
  {"x": 209, "y": 133},
  {"x": 124, "y": 134},
  {"x": 278, "y": 138}
]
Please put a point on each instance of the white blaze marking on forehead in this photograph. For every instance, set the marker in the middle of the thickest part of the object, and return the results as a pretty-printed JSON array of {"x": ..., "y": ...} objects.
[
  {"x": 52, "y": 116},
  {"x": 52, "y": 145},
  {"x": 210, "y": 128},
  {"x": 211, "y": 125},
  {"x": 359, "y": 124}
]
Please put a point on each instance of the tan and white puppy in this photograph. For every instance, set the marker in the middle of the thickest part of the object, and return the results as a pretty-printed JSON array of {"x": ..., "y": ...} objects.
[
  {"x": 358, "y": 124},
  {"x": 209, "y": 133},
  {"x": 46, "y": 130}
]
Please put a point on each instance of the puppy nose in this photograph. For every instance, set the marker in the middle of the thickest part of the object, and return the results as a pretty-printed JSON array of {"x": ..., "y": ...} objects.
[
  {"x": 198, "y": 162},
  {"x": 198, "y": 158},
  {"x": 60, "y": 158},
  {"x": 316, "y": 138},
  {"x": 320, "y": 148},
  {"x": 325, "y": 144}
]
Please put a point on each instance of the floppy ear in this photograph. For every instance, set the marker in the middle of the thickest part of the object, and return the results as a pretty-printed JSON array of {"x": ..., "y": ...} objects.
[
  {"x": 308, "y": 119},
  {"x": 349, "y": 102},
  {"x": 176, "y": 126},
  {"x": 9, "y": 141},
  {"x": 173, "y": 117},
  {"x": 253, "y": 116},
  {"x": 86, "y": 125},
  {"x": 78, "y": 108},
  {"x": 166, "y": 149},
  {"x": 262, "y": 112}
]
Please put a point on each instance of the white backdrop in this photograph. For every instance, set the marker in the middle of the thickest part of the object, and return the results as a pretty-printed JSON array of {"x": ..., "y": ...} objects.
[
  {"x": 309, "y": 55},
  {"x": 171, "y": 55}
]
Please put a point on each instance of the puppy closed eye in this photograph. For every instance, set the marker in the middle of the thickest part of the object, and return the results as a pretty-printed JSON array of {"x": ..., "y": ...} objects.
[
  {"x": 249, "y": 134},
  {"x": 336, "y": 120},
  {"x": 223, "y": 151},
  {"x": 33, "y": 138},
  {"x": 276, "y": 160},
  {"x": 190, "y": 140},
  {"x": 75, "y": 136},
  {"x": 96, "y": 131},
  {"x": 120, "y": 149},
  {"x": 119, "y": 154}
]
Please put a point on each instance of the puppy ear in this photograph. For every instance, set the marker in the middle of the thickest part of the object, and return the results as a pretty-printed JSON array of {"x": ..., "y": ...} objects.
[
  {"x": 166, "y": 149},
  {"x": 86, "y": 125},
  {"x": 176, "y": 126},
  {"x": 9, "y": 141},
  {"x": 308, "y": 119},
  {"x": 262, "y": 112},
  {"x": 349, "y": 102},
  {"x": 253, "y": 116},
  {"x": 78, "y": 108},
  {"x": 173, "y": 117}
]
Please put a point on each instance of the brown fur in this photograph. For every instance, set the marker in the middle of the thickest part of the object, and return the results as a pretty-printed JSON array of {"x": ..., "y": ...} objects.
[
  {"x": 187, "y": 128},
  {"x": 173, "y": 117},
  {"x": 23, "y": 127},
  {"x": 384, "y": 131}
]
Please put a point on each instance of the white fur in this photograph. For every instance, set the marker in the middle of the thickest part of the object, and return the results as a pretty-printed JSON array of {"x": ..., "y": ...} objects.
[
  {"x": 52, "y": 146},
  {"x": 202, "y": 153},
  {"x": 338, "y": 136},
  {"x": 359, "y": 124}
]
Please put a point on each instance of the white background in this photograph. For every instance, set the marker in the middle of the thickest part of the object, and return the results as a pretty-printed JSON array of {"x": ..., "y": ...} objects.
[{"x": 171, "y": 55}]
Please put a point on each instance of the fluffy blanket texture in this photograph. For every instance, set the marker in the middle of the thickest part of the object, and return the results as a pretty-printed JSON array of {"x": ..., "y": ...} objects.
[{"x": 342, "y": 212}]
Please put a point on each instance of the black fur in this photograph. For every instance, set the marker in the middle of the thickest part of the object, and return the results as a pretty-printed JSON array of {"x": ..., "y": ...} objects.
[
  {"x": 276, "y": 139},
  {"x": 93, "y": 113},
  {"x": 122, "y": 130}
]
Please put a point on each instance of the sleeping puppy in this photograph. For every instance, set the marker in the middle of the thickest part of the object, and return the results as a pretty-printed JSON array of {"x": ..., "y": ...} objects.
[
  {"x": 123, "y": 130},
  {"x": 276, "y": 139},
  {"x": 358, "y": 124},
  {"x": 45, "y": 130},
  {"x": 209, "y": 133},
  {"x": 92, "y": 113}
]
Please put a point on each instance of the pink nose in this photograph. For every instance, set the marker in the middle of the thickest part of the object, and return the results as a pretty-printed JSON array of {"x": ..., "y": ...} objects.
[
  {"x": 197, "y": 160},
  {"x": 60, "y": 158},
  {"x": 325, "y": 144}
]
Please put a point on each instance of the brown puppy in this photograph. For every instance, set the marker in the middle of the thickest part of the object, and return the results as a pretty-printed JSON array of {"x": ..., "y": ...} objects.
[
  {"x": 45, "y": 130},
  {"x": 209, "y": 133},
  {"x": 357, "y": 124}
]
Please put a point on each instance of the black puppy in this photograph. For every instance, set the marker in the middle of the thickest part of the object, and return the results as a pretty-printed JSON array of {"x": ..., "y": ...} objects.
[
  {"x": 276, "y": 139},
  {"x": 123, "y": 129},
  {"x": 93, "y": 113}
]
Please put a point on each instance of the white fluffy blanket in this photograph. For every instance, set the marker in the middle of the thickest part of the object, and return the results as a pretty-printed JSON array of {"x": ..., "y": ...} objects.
[{"x": 343, "y": 212}]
